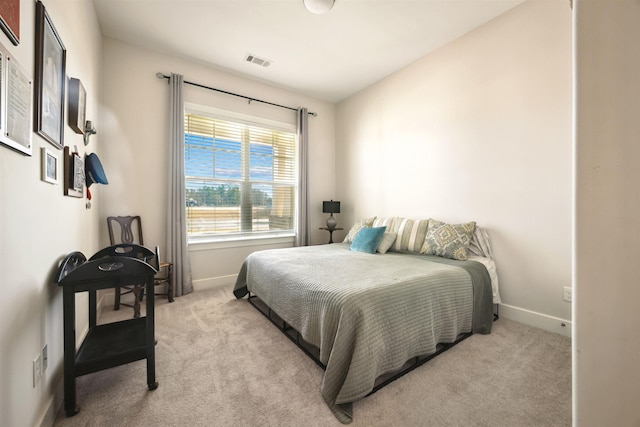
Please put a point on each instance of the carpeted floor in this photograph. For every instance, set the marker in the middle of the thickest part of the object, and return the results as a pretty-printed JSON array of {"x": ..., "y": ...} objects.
[{"x": 221, "y": 363}]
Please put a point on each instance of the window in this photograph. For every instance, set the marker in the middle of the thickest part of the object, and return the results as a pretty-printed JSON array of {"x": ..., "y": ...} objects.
[{"x": 240, "y": 177}]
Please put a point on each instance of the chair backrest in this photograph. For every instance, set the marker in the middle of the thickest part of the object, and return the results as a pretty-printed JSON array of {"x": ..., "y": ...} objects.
[{"x": 129, "y": 228}]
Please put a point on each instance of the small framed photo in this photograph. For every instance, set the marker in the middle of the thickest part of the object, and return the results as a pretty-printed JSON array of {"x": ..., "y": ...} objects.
[
  {"x": 50, "y": 166},
  {"x": 50, "y": 60},
  {"x": 77, "y": 105},
  {"x": 73, "y": 174}
]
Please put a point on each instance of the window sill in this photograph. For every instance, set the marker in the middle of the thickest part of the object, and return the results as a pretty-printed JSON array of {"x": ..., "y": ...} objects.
[{"x": 208, "y": 243}]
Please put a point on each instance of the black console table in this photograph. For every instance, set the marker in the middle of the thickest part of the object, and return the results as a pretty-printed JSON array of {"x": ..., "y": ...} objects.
[{"x": 112, "y": 344}]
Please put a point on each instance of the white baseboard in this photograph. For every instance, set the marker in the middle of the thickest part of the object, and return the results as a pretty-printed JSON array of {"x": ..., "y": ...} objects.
[
  {"x": 538, "y": 320},
  {"x": 215, "y": 282},
  {"x": 53, "y": 405}
]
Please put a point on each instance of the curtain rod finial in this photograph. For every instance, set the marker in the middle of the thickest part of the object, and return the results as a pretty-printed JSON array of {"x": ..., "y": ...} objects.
[{"x": 161, "y": 76}]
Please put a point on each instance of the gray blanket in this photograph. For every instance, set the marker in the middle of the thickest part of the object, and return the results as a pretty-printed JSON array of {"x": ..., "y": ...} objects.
[{"x": 368, "y": 314}]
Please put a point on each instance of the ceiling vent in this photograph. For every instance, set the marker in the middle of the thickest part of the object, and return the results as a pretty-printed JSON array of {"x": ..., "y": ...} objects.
[{"x": 258, "y": 61}]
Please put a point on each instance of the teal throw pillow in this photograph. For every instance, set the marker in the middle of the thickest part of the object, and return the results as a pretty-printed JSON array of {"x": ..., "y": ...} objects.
[{"x": 367, "y": 239}]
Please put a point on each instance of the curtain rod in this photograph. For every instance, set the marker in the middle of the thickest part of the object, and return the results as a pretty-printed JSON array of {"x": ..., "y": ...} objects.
[{"x": 162, "y": 76}]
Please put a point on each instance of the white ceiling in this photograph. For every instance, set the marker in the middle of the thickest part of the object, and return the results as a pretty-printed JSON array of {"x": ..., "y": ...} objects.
[{"x": 328, "y": 57}]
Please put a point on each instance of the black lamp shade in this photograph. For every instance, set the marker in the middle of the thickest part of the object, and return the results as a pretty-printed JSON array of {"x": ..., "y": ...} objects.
[{"x": 331, "y": 207}]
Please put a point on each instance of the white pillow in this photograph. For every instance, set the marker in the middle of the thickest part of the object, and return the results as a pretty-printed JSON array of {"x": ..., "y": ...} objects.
[{"x": 386, "y": 242}]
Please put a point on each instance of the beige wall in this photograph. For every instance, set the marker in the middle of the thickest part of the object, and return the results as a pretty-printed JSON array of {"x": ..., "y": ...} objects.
[
  {"x": 39, "y": 226},
  {"x": 478, "y": 130},
  {"x": 606, "y": 347},
  {"x": 134, "y": 126}
]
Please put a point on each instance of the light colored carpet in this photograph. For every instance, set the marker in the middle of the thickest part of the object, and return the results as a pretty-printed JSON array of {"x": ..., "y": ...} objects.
[{"x": 221, "y": 363}]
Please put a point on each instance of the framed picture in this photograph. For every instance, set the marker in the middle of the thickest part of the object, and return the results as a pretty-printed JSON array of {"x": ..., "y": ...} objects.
[
  {"x": 50, "y": 60},
  {"x": 50, "y": 166},
  {"x": 77, "y": 105},
  {"x": 10, "y": 19},
  {"x": 15, "y": 104},
  {"x": 73, "y": 174}
]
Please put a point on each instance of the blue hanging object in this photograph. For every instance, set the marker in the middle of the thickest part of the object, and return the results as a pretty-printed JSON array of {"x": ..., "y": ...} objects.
[{"x": 94, "y": 173}]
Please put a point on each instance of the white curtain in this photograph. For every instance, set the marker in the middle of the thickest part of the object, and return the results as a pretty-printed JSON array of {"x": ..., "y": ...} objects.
[
  {"x": 302, "y": 234},
  {"x": 177, "y": 250}
]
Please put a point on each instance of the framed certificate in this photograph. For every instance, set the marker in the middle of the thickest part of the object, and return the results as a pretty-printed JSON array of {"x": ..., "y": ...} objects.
[{"x": 15, "y": 104}]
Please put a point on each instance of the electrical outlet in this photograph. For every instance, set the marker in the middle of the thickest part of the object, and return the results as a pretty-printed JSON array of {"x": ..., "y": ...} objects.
[
  {"x": 37, "y": 370},
  {"x": 567, "y": 294},
  {"x": 45, "y": 358}
]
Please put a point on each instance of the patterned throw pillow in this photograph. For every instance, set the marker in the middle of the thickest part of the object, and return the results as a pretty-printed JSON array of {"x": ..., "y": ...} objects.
[
  {"x": 448, "y": 240},
  {"x": 356, "y": 227}
]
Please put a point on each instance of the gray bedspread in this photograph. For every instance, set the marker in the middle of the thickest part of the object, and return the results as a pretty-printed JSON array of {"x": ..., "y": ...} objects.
[{"x": 368, "y": 314}]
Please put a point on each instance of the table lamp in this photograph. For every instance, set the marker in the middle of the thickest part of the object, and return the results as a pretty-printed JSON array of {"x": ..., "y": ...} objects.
[{"x": 331, "y": 207}]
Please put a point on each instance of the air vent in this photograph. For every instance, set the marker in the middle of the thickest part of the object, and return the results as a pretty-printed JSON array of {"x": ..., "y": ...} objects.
[{"x": 258, "y": 61}]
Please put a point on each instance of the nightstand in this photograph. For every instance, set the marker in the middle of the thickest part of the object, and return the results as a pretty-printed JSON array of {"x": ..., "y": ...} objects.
[{"x": 331, "y": 230}]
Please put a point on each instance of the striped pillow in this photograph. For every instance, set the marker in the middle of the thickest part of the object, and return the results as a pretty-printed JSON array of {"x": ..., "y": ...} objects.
[
  {"x": 388, "y": 222},
  {"x": 411, "y": 234}
]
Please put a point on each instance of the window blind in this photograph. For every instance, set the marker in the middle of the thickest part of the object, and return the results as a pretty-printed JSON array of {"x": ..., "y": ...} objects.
[{"x": 240, "y": 177}]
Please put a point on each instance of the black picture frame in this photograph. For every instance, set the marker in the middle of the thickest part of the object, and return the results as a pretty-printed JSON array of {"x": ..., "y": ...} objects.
[
  {"x": 77, "y": 105},
  {"x": 73, "y": 174},
  {"x": 50, "y": 61}
]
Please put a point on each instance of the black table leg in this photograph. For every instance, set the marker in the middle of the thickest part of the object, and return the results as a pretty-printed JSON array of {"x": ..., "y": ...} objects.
[
  {"x": 151, "y": 345},
  {"x": 69, "y": 314}
]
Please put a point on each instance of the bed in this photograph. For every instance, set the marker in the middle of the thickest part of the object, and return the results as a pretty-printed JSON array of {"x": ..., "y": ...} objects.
[{"x": 368, "y": 314}]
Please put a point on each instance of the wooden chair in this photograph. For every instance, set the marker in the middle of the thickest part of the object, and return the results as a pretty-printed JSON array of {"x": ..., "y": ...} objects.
[{"x": 128, "y": 229}]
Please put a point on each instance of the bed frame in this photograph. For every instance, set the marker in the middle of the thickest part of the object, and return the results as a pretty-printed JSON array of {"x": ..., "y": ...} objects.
[{"x": 314, "y": 353}]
